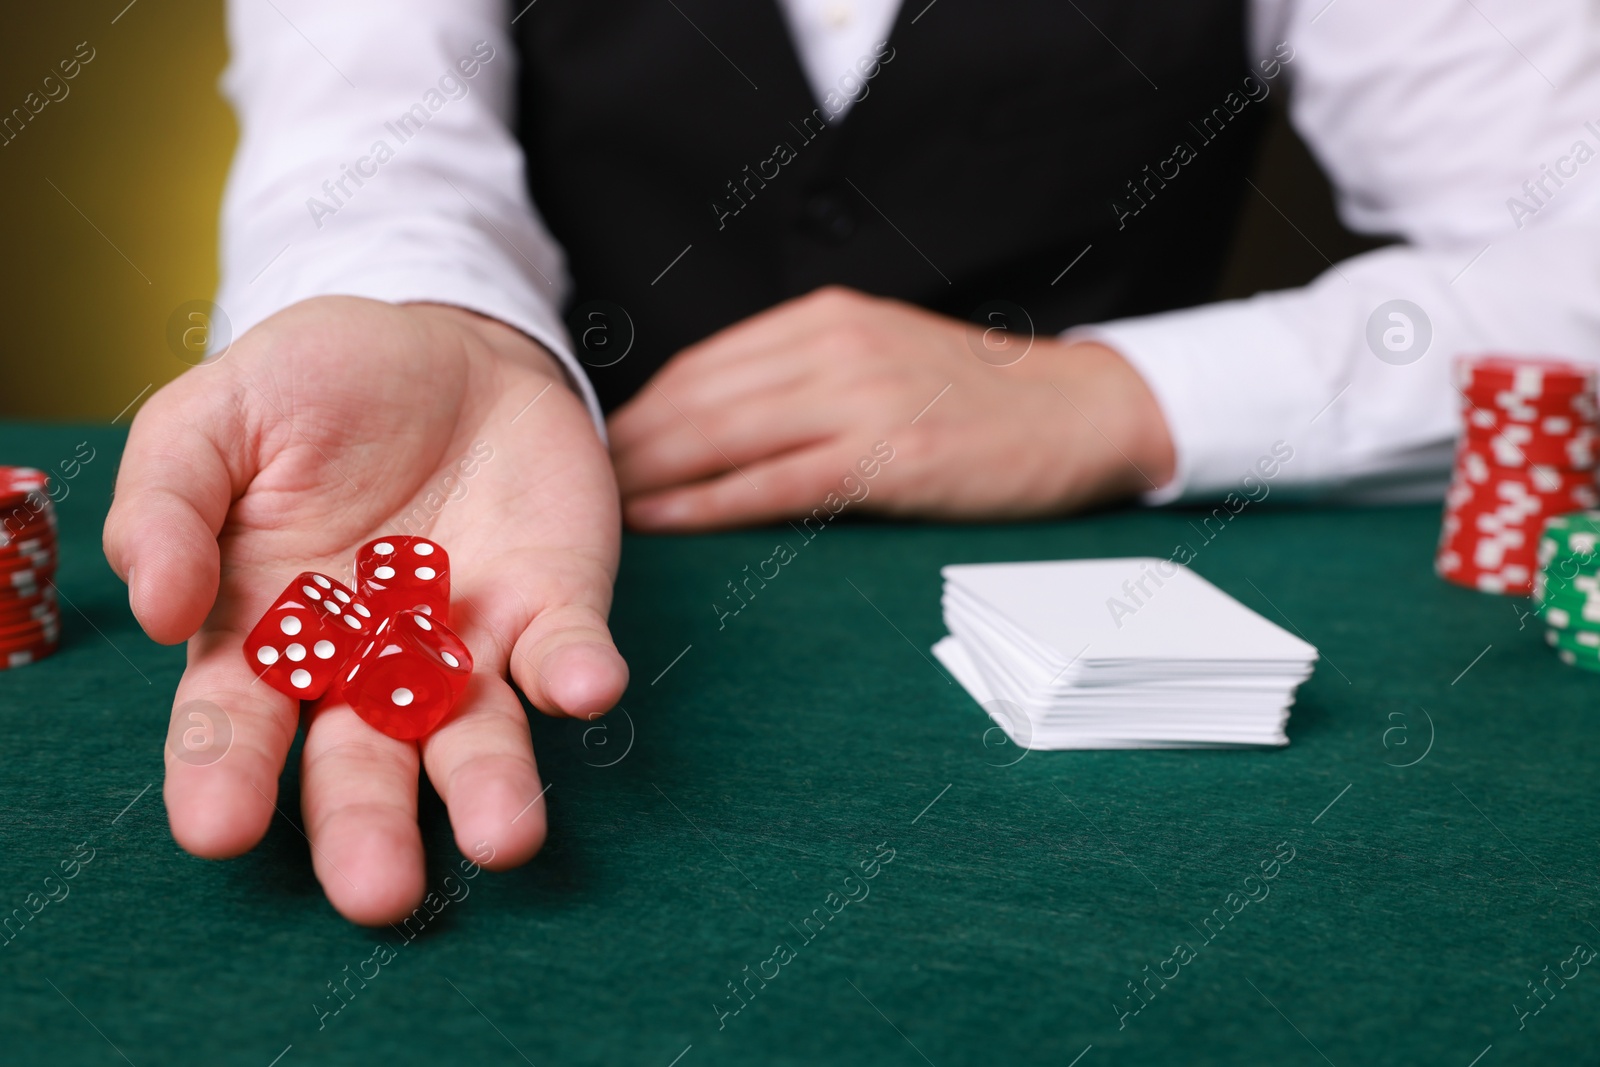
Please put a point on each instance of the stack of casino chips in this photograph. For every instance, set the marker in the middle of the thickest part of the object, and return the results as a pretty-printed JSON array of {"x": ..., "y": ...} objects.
[
  {"x": 30, "y": 620},
  {"x": 1567, "y": 587},
  {"x": 1529, "y": 452}
]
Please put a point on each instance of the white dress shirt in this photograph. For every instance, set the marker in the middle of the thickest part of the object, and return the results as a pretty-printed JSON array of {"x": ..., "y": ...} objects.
[{"x": 1469, "y": 129}]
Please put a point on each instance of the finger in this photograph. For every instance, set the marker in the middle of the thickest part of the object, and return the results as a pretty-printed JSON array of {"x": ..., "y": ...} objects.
[
  {"x": 359, "y": 799},
  {"x": 567, "y": 664},
  {"x": 737, "y": 350},
  {"x": 684, "y": 388},
  {"x": 692, "y": 447},
  {"x": 784, "y": 487},
  {"x": 229, "y": 738},
  {"x": 564, "y": 659},
  {"x": 481, "y": 762},
  {"x": 173, "y": 492}
]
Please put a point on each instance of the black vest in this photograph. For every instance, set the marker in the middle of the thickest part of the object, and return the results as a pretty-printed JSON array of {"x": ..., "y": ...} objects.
[{"x": 677, "y": 153}]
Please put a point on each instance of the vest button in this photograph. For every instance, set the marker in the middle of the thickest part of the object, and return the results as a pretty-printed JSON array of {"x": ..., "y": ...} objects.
[{"x": 827, "y": 217}]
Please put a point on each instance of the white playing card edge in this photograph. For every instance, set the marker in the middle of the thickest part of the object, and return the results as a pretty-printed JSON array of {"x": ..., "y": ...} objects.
[{"x": 1034, "y": 735}]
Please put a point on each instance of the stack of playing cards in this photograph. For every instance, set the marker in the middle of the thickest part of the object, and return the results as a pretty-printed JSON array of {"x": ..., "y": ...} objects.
[{"x": 1118, "y": 653}]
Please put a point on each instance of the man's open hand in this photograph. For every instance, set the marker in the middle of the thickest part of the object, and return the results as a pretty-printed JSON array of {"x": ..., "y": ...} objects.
[
  {"x": 316, "y": 432},
  {"x": 760, "y": 421}
]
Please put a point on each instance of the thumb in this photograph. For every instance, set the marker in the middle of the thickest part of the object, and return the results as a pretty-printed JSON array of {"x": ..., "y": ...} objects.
[{"x": 173, "y": 492}]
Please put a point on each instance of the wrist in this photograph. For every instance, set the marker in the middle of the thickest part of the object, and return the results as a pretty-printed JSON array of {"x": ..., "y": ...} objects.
[
  {"x": 1117, "y": 423},
  {"x": 502, "y": 340}
]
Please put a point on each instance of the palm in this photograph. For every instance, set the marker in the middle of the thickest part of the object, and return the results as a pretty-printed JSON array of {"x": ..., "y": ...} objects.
[{"x": 331, "y": 424}]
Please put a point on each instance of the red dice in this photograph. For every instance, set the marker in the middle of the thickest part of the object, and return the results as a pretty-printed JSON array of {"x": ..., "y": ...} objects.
[
  {"x": 304, "y": 639},
  {"x": 410, "y": 675},
  {"x": 402, "y": 573}
]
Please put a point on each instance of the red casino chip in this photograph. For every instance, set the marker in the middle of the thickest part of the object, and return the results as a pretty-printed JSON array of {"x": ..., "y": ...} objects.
[
  {"x": 1488, "y": 571},
  {"x": 33, "y": 519},
  {"x": 1512, "y": 581},
  {"x": 21, "y": 655},
  {"x": 13, "y": 617},
  {"x": 1495, "y": 561},
  {"x": 22, "y": 523},
  {"x": 18, "y": 616},
  {"x": 30, "y": 618},
  {"x": 1519, "y": 445},
  {"x": 1483, "y": 423},
  {"x": 1529, "y": 452},
  {"x": 29, "y": 634},
  {"x": 1510, "y": 408},
  {"x": 27, "y": 547},
  {"x": 1475, "y": 466},
  {"x": 37, "y": 560},
  {"x": 22, "y": 597},
  {"x": 14, "y": 630},
  {"x": 25, "y": 578},
  {"x": 11, "y": 631},
  {"x": 1530, "y": 393},
  {"x": 1528, "y": 495},
  {"x": 25, "y": 510},
  {"x": 25, "y": 522},
  {"x": 20, "y": 481},
  {"x": 13, "y": 596},
  {"x": 1524, "y": 376}
]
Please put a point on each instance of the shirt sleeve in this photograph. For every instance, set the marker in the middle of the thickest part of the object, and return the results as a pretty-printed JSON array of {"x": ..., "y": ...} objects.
[
  {"x": 376, "y": 159},
  {"x": 1471, "y": 131}
]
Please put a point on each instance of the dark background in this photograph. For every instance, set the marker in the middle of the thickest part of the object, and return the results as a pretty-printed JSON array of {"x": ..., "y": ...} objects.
[{"x": 112, "y": 197}]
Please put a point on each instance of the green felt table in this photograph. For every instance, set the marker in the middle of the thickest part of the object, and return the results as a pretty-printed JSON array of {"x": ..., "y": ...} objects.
[{"x": 1437, "y": 798}]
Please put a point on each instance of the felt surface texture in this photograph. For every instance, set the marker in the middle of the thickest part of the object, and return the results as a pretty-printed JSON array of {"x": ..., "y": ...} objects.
[{"x": 1436, "y": 798}]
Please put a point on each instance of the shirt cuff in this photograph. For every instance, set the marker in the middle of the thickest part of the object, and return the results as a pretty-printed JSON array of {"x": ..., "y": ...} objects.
[
  {"x": 459, "y": 270},
  {"x": 1215, "y": 394}
]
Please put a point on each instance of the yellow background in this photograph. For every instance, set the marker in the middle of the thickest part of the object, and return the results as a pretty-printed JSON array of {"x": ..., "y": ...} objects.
[{"x": 140, "y": 148}]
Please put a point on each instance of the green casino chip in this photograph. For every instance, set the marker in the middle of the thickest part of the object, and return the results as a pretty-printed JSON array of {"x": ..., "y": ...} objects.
[
  {"x": 1569, "y": 611},
  {"x": 1579, "y": 659},
  {"x": 1584, "y": 641},
  {"x": 1574, "y": 534},
  {"x": 1566, "y": 589}
]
